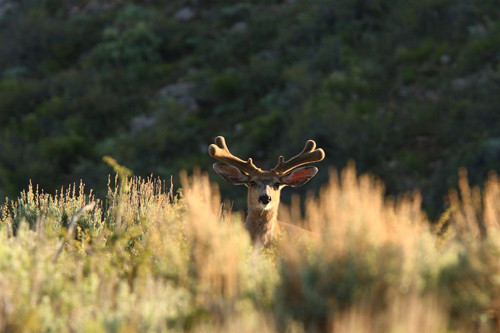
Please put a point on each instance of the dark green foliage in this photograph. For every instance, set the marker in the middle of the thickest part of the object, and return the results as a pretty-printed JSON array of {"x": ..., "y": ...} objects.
[
  {"x": 407, "y": 89},
  {"x": 313, "y": 293}
]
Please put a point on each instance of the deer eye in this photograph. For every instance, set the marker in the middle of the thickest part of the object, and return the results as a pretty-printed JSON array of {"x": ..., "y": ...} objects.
[
  {"x": 253, "y": 183},
  {"x": 276, "y": 186}
]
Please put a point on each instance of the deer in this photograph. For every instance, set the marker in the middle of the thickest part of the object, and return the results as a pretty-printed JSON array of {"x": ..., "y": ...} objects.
[{"x": 264, "y": 186}]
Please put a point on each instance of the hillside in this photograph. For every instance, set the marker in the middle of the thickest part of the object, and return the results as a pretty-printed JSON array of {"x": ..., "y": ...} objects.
[{"x": 409, "y": 90}]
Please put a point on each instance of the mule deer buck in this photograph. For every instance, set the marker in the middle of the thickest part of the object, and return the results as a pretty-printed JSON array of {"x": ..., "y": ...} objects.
[{"x": 264, "y": 186}]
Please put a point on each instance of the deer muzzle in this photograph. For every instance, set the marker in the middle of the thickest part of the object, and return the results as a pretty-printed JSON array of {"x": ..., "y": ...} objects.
[{"x": 264, "y": 199}]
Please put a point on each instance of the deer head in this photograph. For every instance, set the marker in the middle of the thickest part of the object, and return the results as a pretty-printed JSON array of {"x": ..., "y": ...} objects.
[{"x": 264, "y": 186}]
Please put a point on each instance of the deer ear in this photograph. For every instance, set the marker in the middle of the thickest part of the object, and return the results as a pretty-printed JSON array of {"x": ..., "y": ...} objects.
[
  {"x": 231, "y": 174},
  {"x": 299, "y": 177}
]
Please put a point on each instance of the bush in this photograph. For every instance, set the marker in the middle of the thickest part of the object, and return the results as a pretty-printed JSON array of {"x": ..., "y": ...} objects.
[{"x": 185, "y": 266}]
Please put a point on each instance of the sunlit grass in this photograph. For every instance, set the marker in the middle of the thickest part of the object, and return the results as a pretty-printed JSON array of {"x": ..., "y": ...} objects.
[{"x": 152, "y": 258}]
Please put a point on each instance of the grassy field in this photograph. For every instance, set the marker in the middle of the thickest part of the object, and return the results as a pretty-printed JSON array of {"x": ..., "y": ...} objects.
[{"x": 152, "y": 258}]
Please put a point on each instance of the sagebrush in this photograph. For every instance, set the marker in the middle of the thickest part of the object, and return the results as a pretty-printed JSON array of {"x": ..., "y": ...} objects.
[{"x": 152, "y": 258}]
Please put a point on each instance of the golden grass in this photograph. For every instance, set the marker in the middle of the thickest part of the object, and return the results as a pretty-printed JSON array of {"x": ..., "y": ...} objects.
[{"x": 149, "y": 259}]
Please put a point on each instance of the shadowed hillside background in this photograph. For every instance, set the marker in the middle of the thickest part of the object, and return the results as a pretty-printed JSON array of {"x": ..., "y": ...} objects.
[{"x": 407, "y": 89}]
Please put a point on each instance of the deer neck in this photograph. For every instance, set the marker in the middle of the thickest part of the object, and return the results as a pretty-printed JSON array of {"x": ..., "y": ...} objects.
[{"x": 262, "y": 224}]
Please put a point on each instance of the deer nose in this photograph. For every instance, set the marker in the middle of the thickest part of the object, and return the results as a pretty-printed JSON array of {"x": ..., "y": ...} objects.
[{"x": 264, "y": 199}]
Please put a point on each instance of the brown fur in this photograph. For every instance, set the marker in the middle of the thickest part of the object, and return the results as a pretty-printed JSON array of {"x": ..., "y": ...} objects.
[
  {"x": 262, "y": 219},
  {"x": 262, "y": 224}
]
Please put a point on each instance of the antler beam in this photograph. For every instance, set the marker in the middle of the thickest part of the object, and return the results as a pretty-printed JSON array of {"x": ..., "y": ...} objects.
[
  {"x": 308, "y": 155},
  {"x": 220, "y": 152}
]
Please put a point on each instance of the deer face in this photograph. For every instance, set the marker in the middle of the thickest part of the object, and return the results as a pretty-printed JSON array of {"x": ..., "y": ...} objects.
[
  {"x": 264, "y": 188},
  {"x": 264, "y": 191}
]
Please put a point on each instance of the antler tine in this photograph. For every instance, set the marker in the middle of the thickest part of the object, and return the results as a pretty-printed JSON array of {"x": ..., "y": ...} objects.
[
  {"x": 308, "y": 155},
  {"x": 220, "y": 152}
]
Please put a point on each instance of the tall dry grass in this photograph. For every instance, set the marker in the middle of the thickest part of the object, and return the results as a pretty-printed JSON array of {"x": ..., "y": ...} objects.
[
  {"x": 370, "y": 255},
  {"x": 149, "y": 258}
]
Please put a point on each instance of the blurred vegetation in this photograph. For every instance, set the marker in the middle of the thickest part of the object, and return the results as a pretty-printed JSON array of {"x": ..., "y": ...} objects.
[
  {"x": 146, "y": 259},
  {"x": 407, "y": 89}
]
